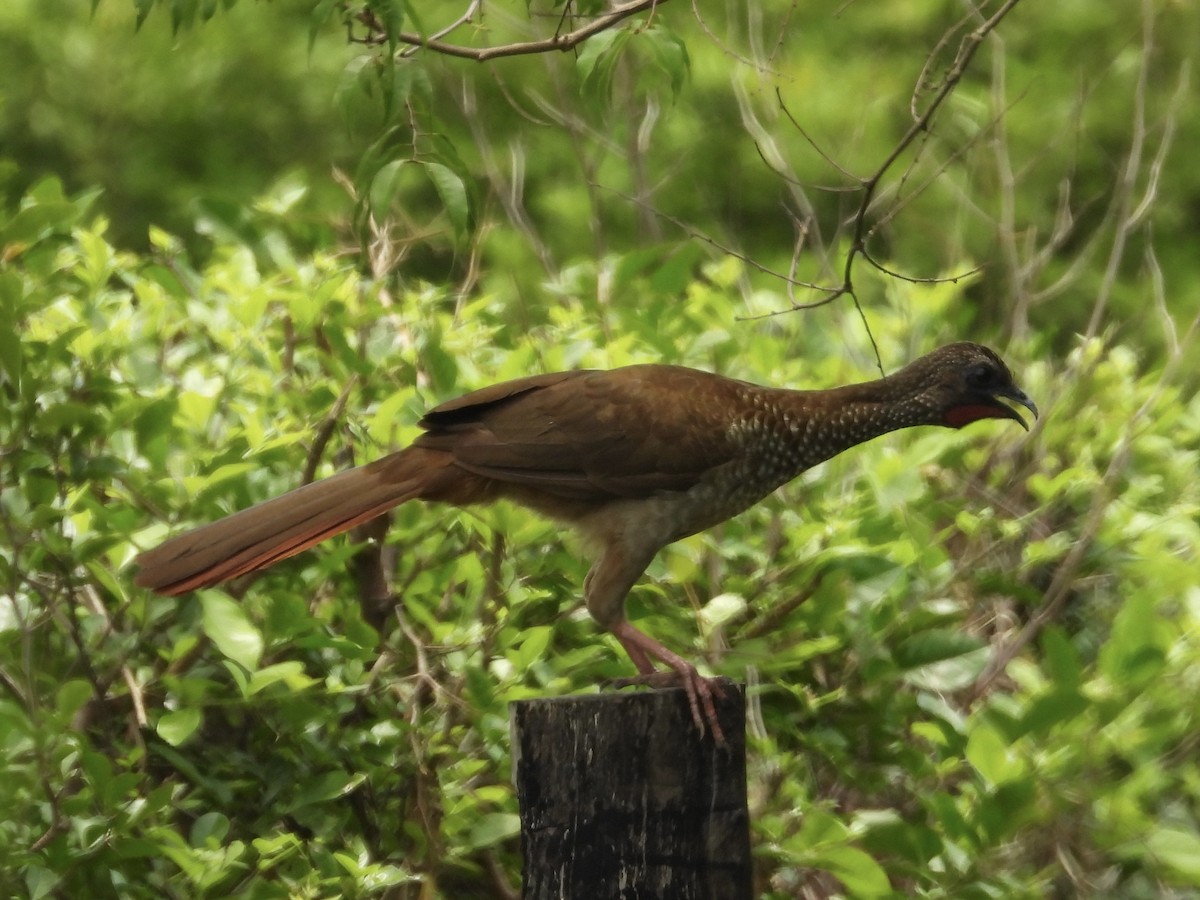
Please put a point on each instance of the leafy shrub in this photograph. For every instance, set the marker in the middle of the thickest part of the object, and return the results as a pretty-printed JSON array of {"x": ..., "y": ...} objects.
[{"x": 302, "y": 740}]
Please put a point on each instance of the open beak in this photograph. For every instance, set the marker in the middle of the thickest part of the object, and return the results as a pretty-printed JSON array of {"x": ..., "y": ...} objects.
[{"x": 1016, "y": 395}]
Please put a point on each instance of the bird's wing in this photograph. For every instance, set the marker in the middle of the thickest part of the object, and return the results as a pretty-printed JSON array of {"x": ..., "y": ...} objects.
[{"x": 627, "y": 432}]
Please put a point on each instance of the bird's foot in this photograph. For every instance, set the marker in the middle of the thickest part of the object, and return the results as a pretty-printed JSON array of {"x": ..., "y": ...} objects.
[
  {"x": 656, "y": 679},
  {"x": 681, "y": 673},
  {"x": 700, "y": 693}
]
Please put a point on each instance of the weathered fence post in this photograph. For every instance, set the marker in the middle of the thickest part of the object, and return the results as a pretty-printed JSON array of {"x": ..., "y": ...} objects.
[{"x": 622, "y": 799}]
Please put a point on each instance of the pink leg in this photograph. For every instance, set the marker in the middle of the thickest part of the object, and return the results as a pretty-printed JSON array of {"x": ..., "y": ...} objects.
[
  {"x": 641, "y": 648},
  {"x": 605, "y": 589},
  {"x": 640, "y": 660}
]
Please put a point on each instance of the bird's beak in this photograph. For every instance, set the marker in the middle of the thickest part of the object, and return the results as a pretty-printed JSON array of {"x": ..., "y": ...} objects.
[{"x": 1017, "y": 395}]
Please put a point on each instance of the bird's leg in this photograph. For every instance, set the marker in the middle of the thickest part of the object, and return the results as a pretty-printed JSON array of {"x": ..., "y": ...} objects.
[
  {"x": 700, "y": 690},
  {"x": 605, "y": 589},
  {"x": 639, "y": 656}
]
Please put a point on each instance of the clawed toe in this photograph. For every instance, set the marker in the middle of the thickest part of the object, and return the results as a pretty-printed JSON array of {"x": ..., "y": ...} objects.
[
  {"x": 680, "y": 673},
  {"x": 700, "y": 691},
  {"x": 700, "y": 694}
]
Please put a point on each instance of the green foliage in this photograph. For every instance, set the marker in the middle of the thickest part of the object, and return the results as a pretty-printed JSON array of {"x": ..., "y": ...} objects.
[
  {"x": 180, "y": 130},
  {"x": 295, "y": 743},
  {"x": 540, "y": 212},
  {"x": 518, "y": 167}
]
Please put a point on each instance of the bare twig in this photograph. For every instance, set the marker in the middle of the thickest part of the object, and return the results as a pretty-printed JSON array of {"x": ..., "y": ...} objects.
[
  {"x": 559, "y": 41},
  {"x": 467, "y": 16},
  {"x": 1127, "y": 211},
  {"x": 726, "y": 49},
  {"x": 917, "y": 279},
  {"x": 829, "y": 160},
  {"x": 869, "y": 186},
  {"x": 510, "y": 191},
  {"x": 966, "y": 52},
  {"x": 1160, "y": 299},
  {"x": 727, "y": 250},
  {"x": 325, "y": 431}
]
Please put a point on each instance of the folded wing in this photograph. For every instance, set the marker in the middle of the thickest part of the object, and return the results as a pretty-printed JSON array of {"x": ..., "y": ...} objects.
[{"x": 587, "y": 434}]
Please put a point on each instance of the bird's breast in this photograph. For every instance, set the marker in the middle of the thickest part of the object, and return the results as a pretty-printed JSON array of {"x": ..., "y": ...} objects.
[
  {"x": 767, "y": 459},
  {"x": 766, "y": 448}
]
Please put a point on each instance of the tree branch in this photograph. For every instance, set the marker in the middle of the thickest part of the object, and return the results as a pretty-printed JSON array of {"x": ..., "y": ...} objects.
[
  {"x": 860, "y": 232},
  {"x": 558, "y": 41}
]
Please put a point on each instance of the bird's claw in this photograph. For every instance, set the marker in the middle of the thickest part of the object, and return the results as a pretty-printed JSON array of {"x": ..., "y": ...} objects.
[
  {"x": 679, "y": 673},
  {"x": 700, "y": 693}
]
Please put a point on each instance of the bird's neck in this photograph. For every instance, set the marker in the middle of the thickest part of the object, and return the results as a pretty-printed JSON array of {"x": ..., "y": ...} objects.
[{"x": 824, "y": 423}]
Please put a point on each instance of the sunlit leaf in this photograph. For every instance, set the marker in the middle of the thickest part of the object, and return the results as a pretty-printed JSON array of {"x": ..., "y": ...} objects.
[
  {"x": 212, "y": 827},
  {"x": 994, "y": 759},
  {"x": 493, "y": 828},
  {"x": 291, "y": 673},
  {"x": 1178, "y": 851},
  {"x": 227, "y": 626},
  {"x": 176, "y": 727},
  {"x": 858, "y": 871}
]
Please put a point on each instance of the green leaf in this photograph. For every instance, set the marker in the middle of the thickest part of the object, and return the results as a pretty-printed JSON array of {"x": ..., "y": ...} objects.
[
  {"x": 820, "y": 827},
  {"x": 493, "y": 828},
  {"x": 154, "y": 420},
  {"x": 324, "y": 788},
  {"x": 290, "y": 673},
  {"x": 721, "y": 610},
  {"x": 277, "y": 847},
  {"x": 670, "y": 52},
  {"x": 386, "y": 184},
  {"x": 1061, "y": 658},
  {"x": 992, "y": 757},
  {"x": 1135, "y": 651},
  {"x": 176, "y": 727},
  {"x": 209, "y": 830},
  {"x": 39, "y": 882},
  {"x": 675, "y": 274},
  {"x": 183, "y": 14},
  {"x": 227, "y": 626},
  {"x": 70, "y": 698},
  {"x": 532, "y": 646},
  {"x": 933, "y": 646},
  {"x": 320, "y": 14},
  {"x": 598, "y": 59},
  {"x": 858, "y": 871},
  {"x": 1178, "y": 851},
  {"x": 11, "y": 295},
  {"x": 441, "y": 365},
  {"x": 949, "y": 816},
  {"x": 949, "y": 674},
  {"x": 1050, "y": 710},
  {"x": 453, "y": 191},
  {"x": 390, "y": 14}
]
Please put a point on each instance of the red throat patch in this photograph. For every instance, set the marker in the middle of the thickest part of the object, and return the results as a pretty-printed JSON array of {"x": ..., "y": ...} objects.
[{"x": 965, "y": 415}]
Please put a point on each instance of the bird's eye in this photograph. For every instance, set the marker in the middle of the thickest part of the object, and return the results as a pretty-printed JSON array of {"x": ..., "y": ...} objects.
[{"x": 981, "y": 375}]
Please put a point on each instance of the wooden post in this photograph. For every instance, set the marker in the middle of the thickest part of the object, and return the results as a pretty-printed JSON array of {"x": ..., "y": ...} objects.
[{"x": 622, "y": 798}]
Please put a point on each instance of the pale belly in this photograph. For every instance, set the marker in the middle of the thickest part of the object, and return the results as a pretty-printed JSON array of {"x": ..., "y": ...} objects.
[{"x": 654, "y": 522}]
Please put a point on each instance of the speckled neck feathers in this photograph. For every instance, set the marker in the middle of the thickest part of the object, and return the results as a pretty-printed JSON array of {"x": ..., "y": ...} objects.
[{"x": 799, "y": 429}]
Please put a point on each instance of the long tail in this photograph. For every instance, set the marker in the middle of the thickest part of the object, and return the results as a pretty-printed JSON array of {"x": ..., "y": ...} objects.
[{"x": 276, "y": 529}]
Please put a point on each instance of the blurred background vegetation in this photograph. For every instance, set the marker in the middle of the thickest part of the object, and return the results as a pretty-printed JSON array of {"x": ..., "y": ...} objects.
[{"x": 242, "y": 240}]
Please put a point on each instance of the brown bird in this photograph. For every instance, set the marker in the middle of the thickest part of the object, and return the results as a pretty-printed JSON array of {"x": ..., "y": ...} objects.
[{"x": 632, "y": 458}]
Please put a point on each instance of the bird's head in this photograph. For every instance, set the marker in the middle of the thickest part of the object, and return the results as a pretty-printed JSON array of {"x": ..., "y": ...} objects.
[{"x": 962, "y": 383}]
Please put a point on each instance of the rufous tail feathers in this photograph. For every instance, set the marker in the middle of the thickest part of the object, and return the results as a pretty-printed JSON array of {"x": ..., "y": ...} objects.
[{"x": 284, "y": 526}]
